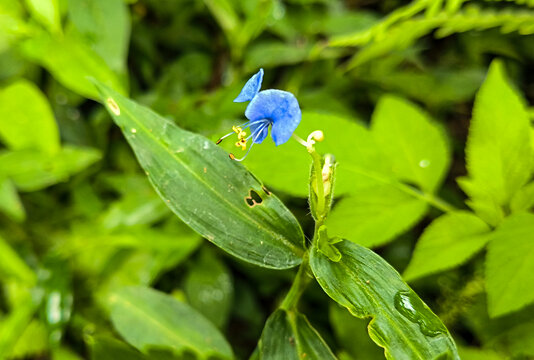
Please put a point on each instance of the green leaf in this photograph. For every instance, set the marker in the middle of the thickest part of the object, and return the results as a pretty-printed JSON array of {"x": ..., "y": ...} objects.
[
  {"x": 289, "y": 335},
  {"x": 33, "y": 342},
  {"x": 31, "y": 170},
  {"x": 71, "y": 62},
  {"x": 46, "y": 12},
  {"x": 149, "y": 319},
  {"x": 368, "y": 286},
  {"x": 523, "y": 199},
  {"x": 209, "y": 288},
  {"x": 108, "y": 348},
  {"x": 275, "y": 53},
  {"x": 105, "y": 26},
  {"x": 207, "y": 190},
  {"x": 24, "y": 107},
  {"x": 436, "y": 87},
  {"x": 416, "y": 148},
  {"x": 510, "y": 265},
  {"x": 499, "y": 152},
  {"x": 138, "y": 205},
  {"x": 472, "y": 353},
  {"x": 10, "y": 203},
  {"x": 144, "y": 263},
  {"x": 12, "y": 265},
  {"x": 13, "y": 326},
  {"x": 448, "y": 241},
  {"x": 225, "y": 15},
  {"x": 375, "y": 215}
]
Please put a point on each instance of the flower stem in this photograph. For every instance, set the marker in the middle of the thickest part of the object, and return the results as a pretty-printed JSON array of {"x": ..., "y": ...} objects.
[
  {"x": 319, "y": 186},
  {"x": 299, "y": 285}
]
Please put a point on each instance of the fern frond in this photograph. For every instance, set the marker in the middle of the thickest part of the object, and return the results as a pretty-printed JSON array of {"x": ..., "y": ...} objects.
[
  {"x": 379, "y": 30},
  {"x": 529, "y": 3},
  {"x": 406, "y": 33},
  {"x": 520, "y": 21}
]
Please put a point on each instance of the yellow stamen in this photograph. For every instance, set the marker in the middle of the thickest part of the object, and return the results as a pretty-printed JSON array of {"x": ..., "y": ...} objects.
[{"x": 242, "y": 143}]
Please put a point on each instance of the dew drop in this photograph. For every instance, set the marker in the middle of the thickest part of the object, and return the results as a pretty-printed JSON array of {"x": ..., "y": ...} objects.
[
  {"x": 424, "y": 163},
  {"x": 413, "y": 308},
  {"x": 133, "y": 131}
]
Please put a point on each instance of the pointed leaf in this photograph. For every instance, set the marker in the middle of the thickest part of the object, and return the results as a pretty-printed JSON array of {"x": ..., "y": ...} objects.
[
  {"x": 368, "y": 286},
  {"x": 26, "y": 119},
  {"x": 10, "y": 203},
  {"x": 289, "y": 335},
  {"x": 416, "y": 148},
  {"x": 148, "y": 319},
  {"x": 448, "y": 241},
  {"x": 71, "y": 62},
  {"x": 214, "y": 195},
  {"x": 499, "y": 154},
  {"x": 375, "y": 216}
]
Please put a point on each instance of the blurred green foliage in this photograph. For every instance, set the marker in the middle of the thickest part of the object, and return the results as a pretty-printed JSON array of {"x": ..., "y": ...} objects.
[{"x": 392, "y": 85}]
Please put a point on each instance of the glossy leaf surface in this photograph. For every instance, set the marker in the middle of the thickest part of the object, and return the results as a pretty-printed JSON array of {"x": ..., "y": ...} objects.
[
  {"x": 289, "y": 335},
  {"x": 368, "y": 286},
  {"x": 214, "y": 195}
]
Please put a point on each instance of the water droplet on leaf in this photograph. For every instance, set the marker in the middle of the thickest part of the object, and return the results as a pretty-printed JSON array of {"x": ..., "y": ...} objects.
[
  {"x": 424, "y": 163},
  {"x": 413, "y": 308}
]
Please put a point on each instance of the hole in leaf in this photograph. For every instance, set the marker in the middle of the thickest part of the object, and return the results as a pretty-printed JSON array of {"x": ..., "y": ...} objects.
[
  {"x": 253, "y": 198},
  {"x": 265, "y": 190}
]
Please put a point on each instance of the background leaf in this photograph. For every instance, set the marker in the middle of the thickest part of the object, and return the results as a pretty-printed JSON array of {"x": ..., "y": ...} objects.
[
  {"x": 71, "y": 62},
  {"x": 368, "y": 286},
  {"x": 148, "y": 320},
  {"x": 207, "y": 190},
  {"x": 448, "y": 241},
  {"x": 13, "y": 265},
  {"x": 105, "y": 26},
  {"x": 416, "y": 148},
  {"x": 24, "y": 107},
  {"x": 47, "y": 12},
  {"x": 31, "y": 170},
  {"x": 510, "y": 264},
  {"x": 10, "y": 203},
  {"x": 499, "y": 152},
  {"x": 209, "y": 288}
]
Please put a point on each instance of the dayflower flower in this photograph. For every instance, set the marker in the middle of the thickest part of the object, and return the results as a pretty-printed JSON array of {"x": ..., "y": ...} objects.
[{"x": 272, "y": 108}]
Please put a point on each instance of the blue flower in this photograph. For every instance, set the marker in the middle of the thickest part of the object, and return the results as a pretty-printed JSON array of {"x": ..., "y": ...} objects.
[{"x": 276, "y": 109}]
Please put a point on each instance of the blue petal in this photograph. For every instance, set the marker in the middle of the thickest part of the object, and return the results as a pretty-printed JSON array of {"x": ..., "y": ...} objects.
[
  {"x": 264, "y": 131},
  {"x": 281, "y": 108},
  {"x": 251, "y": 88}
]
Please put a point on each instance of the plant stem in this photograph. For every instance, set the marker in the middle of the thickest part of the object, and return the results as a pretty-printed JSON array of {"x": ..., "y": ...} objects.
[
  {"x": 431, "y": 199},
  {"x": 299, "y": 285},
  {"x": 319, "y": 186}
]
